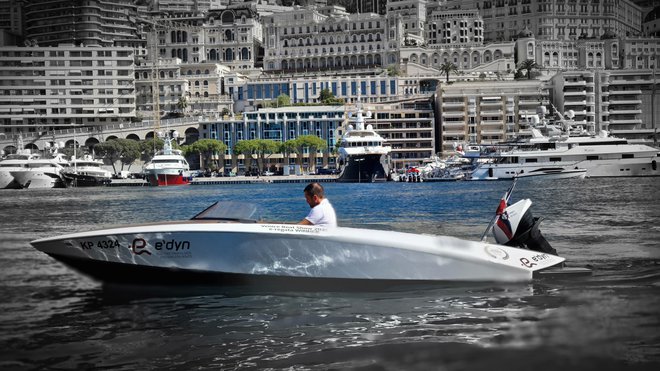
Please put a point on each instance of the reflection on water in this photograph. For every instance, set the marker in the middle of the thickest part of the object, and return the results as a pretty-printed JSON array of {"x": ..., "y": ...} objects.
[{"x": 51, "y": 317}]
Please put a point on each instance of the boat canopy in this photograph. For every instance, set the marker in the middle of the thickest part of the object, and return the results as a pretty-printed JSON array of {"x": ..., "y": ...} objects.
[{"x": 243, "y": 212}]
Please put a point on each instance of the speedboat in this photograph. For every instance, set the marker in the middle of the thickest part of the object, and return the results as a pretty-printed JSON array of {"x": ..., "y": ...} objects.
[
  {"x": 168, "y": 166},
  {"x": 228, "y": 243}
]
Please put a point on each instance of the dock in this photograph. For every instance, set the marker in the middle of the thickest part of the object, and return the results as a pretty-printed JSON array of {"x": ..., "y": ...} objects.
[
  {"x": 235, "y": 180},
  {"x": 264, "y": 179}
]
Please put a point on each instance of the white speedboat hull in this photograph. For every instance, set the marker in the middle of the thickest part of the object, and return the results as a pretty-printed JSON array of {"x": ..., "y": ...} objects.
[{"x": 219, "y": 252}]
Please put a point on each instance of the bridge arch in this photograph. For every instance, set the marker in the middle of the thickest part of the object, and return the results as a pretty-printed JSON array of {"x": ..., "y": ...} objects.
[
  {"x": 191, "y": 135},
  {"x": 133, "y": 136}
]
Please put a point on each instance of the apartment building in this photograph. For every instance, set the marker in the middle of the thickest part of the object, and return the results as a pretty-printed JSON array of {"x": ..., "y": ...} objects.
[
  {"x": 89, "y": 22},
  {"x": 409, "y": 127},
  {"x": 624, "y": 102},
  {"x": 54, "y": 87},
  {"x": 328, "y": 39},
  {"x": 554, "y": 19},
  {"x": 183, "y": 88},
  {"x": 487, "y": 112},
  {"x": 307, "y": 88}
]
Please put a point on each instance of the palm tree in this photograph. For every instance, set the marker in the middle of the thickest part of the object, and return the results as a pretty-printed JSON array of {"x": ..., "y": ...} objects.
[
  {"x": 528, "y": 65},
  {"x": 448, "y": 68}
]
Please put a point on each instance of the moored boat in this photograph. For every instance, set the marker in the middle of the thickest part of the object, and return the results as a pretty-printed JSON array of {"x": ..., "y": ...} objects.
[
  {"x": 168, "y": 167},
  {"x": 568, "y": 147},
  {"x": 13, "y": 162},
  {"x": 86, "y": 172},
  {"x": 41, "y": 172},
  {"x": 363, "y": 153}
]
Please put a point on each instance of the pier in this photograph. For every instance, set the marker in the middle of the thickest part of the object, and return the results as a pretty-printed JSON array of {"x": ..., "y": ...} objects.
[{"x": 235, "y": 180}]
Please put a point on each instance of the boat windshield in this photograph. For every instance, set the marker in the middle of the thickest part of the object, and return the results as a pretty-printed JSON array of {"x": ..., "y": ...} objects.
[{"x": 231, "y": 211}]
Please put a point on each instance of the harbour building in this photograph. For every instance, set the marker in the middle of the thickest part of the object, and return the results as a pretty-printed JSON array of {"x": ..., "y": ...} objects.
[{"x": 279, "y": 124}]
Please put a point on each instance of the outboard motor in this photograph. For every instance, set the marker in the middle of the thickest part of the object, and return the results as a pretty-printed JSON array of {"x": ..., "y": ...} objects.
[{"x": 516, "y": 226}]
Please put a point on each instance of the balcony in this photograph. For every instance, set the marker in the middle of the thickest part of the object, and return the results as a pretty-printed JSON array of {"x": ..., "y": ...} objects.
[
  {"x": 491, "y": 113},
  {"x": 626, "y": 122},
  {"x": 492, "y": 132},
  {"x": 580, "y": 93},
  {"x": 575, "y": 83},
  {"x": 625, "y": 92},
  {"x": 625, "y": 111},
  {"x": 453, "y": 124},
  {"x": 453, "y": 114},
  {"x": 625, "y": 101}
]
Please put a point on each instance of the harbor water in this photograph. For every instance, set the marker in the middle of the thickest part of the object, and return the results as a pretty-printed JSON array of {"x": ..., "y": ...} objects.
[{"x": 53, "y": 318}]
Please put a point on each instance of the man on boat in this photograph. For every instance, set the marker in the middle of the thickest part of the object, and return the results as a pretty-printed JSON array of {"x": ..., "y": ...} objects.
[{"x": 322, "y": 213}]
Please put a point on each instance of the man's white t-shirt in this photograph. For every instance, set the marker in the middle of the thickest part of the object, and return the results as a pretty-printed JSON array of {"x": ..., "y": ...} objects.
[{"x": 322, "y": 215}]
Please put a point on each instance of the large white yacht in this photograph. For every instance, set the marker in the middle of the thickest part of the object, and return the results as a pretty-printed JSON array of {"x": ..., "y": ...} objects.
[
  {"x": 86, "y": 172},
  {"x": 41, "y": 172},
  {"x": 14, "y": 162},
  {"x": 168, "y": 166},
  {"x": 363, "y": 154},
  {"x": 566, "y": 147}
]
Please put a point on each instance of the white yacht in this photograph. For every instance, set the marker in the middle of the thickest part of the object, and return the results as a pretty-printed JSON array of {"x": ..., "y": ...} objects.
[
  {"x": 14, "y": 162},
  {"x": 86, "y": 172},
  {"x": 363, "y": 154},
  {"x": 572, "y": 149},
  {"x": 168, "y": 166},
  {"x": 41, "y": 172}
]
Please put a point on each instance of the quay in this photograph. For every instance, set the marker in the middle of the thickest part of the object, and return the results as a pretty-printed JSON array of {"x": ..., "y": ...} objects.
[{"x": 235, "y": 180}]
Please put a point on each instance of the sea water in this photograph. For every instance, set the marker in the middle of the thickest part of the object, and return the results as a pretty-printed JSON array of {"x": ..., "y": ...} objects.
[{"x": 54, "y": 318}]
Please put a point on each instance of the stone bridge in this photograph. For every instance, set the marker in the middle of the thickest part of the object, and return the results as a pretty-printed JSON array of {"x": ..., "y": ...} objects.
[{"x": 188, "y": 129}]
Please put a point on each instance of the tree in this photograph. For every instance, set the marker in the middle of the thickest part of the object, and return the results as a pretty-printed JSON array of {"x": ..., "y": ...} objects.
[
  {"x": 528, "y": 65},
  {"x": 393, "y": 70},
  {"x": 283, "y": 100},
  {"x": 448, "y": 68},
  {"x": 262, "y": 148},
  {"x": 327, "y": 97},
  {"x": 313, "y": 143},
  {"x": 149, "y": 147},
  {"x": 124, "y": 150},
  {"x": 182, "y": 104},
  {"x": 205, "y": 149}
]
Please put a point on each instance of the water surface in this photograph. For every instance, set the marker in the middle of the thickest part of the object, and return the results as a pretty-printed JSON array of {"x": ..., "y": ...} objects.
[{"x": 54, "y": 318}]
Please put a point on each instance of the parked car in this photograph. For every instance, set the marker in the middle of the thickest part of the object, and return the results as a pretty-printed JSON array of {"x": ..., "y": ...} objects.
[{"x": 323, "y": 171}]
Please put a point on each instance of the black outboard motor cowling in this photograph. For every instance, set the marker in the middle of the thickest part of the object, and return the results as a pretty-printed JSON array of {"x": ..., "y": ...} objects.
[
  {"x": 528, "y": 235},
  {"x": 516, "y": 226}
]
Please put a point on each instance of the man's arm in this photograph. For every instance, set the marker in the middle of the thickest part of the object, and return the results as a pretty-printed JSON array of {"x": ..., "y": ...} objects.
[{"x": 305, "y": 222}]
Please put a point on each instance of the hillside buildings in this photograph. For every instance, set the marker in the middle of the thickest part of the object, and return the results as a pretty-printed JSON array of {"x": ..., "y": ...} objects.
[{"x": 226, "y": 59}]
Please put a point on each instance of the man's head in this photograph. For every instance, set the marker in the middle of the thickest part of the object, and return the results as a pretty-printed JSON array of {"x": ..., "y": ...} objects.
[{"x": 314, "y": 194}]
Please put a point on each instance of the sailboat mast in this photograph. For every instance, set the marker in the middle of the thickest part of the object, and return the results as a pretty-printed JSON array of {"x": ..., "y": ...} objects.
[{"x": 155, "y": 94}]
